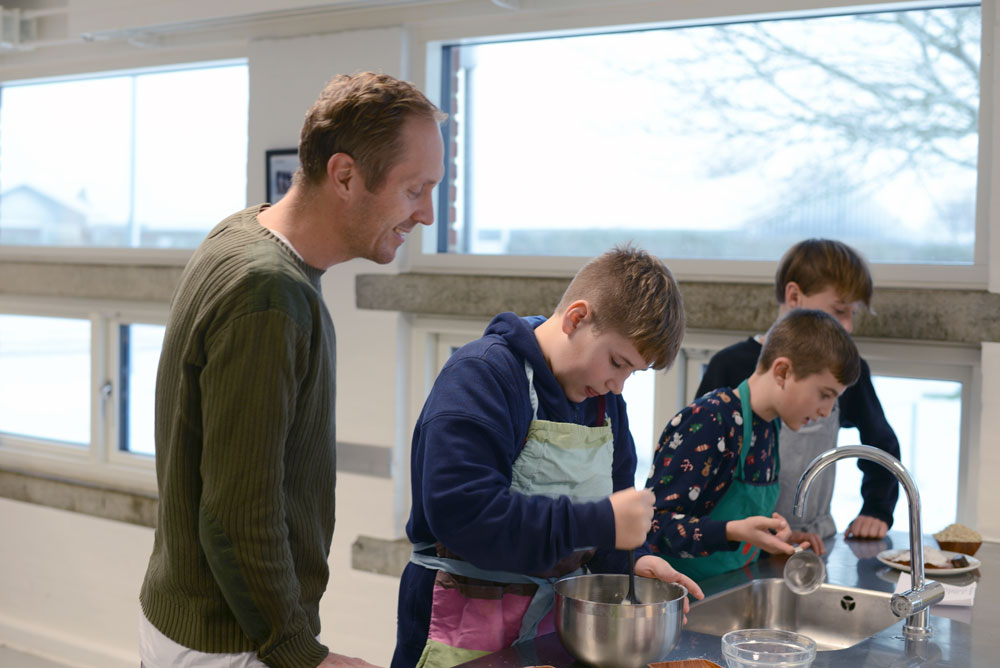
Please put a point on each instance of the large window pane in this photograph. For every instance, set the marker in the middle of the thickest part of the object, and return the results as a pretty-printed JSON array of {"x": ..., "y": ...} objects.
[
  {"x": 141, "y": 346},
  {"x": 45, "y": 386},
  {"x": 151, "y": 159},
  {"x": 640, "y": 396},
  {"x": 926, "y": 416},
  {"x": 720, "y": 141}
]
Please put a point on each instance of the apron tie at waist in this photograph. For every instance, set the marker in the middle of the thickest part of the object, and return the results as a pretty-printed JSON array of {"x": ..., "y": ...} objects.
[{"x": 541, "y": 602}]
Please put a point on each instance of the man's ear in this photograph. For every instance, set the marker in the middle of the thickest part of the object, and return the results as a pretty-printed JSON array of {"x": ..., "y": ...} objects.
[
  {"x": 793, "y": 294},
  {"x": 342, "y": 174},
  {"x": 781, "y": 371},
  {"x": 575, "y": 314}
]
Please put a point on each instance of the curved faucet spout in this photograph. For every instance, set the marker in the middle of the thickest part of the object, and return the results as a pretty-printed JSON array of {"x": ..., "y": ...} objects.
[{"x": 913, "y": 603}]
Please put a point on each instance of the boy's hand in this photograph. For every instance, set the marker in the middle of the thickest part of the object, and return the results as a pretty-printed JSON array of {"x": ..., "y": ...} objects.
[
  {"x": 757, "y": 530},
  {"x": 651, "y": 566},
  {"x": 633, "y": 509},
  {"x": 810, "y": 538}
]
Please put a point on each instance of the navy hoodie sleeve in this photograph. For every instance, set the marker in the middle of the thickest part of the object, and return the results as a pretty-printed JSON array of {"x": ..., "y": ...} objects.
[
  {"x": 470, "y": 432},
  {"x": 860, "y": 407}
]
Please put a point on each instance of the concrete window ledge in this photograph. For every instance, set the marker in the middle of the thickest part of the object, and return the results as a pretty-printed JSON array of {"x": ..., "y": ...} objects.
[
  {"x": 80, "y": 497},
  {"x": 381, "y": 555},
  {"x": 942, "y": 315},
  {"x": 374, "y": 555}
]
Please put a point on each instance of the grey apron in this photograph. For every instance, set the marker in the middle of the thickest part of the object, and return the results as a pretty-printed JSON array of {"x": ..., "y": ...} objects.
[{"x": 798, "y": 449}]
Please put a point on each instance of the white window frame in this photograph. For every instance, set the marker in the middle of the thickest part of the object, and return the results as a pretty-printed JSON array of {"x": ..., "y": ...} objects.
[
  {"x": 425, "y": 53},
  {"x": 110, "y": 255},
  {"x": 100, "y": 460}
]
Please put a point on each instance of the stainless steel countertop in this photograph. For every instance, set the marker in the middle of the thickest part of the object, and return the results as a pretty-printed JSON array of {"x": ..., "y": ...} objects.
[{"x": 963, "y": 637}]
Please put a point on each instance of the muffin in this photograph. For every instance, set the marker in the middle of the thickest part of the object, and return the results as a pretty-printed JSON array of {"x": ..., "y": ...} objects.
[{"x": 959, "y": 538}]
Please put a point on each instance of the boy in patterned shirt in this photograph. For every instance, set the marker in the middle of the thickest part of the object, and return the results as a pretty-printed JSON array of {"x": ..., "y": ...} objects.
[{"x": 714, "y": 497}]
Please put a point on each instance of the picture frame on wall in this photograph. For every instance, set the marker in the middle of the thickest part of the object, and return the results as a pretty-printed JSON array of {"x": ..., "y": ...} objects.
[{"x": 280, "y": 165}]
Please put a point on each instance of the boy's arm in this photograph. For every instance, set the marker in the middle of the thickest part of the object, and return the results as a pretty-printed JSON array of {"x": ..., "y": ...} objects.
[
  {"x": 860, "y": 407},
  {"x": 471, "y": 432},
  {"x": 623, "y": 477},
  {"x": 690, "y": 474}
]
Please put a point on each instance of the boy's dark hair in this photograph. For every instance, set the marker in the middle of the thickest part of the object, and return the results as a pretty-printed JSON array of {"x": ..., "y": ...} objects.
[
  {"x": 814, "y": 342},
  {"x": 816, "y": 264},
  {"x": 634, "y": 294},
  {"x": 361, "y": 115}
]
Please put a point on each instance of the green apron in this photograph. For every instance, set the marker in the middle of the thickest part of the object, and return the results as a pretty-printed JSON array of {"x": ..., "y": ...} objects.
[{"x": 743, "y": 499}]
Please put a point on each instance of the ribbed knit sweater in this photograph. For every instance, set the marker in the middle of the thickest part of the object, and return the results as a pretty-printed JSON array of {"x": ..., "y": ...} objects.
[{"x": 245, "y": 452}]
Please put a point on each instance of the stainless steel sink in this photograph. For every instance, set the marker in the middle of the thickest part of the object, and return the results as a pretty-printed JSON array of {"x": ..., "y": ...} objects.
[{"x": 835, "y": 617}]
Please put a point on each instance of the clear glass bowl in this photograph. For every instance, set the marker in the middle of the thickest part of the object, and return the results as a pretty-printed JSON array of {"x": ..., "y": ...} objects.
[{"x": 750, "y": 648}]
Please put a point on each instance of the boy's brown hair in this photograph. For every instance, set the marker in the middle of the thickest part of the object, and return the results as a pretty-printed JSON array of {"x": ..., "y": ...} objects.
[
  {"x": 633, "y": 294},
  {"x": 361, "y": 115},
  {"x": 814, "y": 342},
  {"x": 816, "y": 264}
]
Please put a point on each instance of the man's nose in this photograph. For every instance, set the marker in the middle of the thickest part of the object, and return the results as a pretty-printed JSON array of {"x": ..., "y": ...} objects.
[{"x": 424, "y": 214}]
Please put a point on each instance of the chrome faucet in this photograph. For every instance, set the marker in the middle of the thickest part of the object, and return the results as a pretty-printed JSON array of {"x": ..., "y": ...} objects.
[{"x": 922, "y": 594}]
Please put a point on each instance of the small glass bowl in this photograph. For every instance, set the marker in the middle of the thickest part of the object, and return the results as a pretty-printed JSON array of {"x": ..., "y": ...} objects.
[{"x": 753, "y": 648}]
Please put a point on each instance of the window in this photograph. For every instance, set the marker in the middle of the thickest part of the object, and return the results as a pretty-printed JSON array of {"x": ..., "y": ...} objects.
[
  {"x": 724, "y": 141},
  {"x": 926, "y": 415},
  {"x": 45, "y": 370},
  {"x": 140, "y": 354},
  {"x": 77, "y": 380},
  {"x": 148, "y": 159}
]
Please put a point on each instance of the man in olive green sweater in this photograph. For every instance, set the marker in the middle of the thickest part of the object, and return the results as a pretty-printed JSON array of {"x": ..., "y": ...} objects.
[{"x": 245, "y": 423}]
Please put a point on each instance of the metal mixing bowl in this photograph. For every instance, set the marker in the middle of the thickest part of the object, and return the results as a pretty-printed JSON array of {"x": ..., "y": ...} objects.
[{"x": 598, "y": 629}]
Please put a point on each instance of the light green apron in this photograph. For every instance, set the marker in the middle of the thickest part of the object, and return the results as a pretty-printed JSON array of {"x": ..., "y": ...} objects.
[
  {"x": 743, "y": 499},
  {"x": 558, "y": 459}
]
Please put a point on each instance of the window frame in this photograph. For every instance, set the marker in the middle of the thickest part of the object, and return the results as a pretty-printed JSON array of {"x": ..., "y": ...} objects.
[
  {"x": 100, "y": 460},
  {"x": 426, "y": 54},
  {"x": 114, "y": 255}
]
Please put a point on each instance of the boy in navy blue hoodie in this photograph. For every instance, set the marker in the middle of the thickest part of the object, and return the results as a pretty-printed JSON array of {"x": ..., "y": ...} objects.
[{"x": 523, "y": 465}]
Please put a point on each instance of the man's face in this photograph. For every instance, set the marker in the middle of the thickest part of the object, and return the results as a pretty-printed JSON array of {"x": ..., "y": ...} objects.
[
  {"x": 808, "y": 399},
  {"x": 831, "y": 302},
  {"x": 593, "y": 364},
  {"x": 382, "y": 219}
]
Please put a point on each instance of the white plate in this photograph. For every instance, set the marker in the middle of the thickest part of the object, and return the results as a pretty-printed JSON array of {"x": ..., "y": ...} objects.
[{"x": 929, "y": 570}]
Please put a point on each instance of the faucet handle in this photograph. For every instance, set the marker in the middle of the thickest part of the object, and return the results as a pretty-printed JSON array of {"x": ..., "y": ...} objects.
[{"x": 914, "y": 600}]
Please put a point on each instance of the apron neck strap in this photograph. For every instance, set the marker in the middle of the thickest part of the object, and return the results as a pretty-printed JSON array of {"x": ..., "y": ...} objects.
[
  {"x": 744, "y": 390},
  {"x": 529, "y": 371}
]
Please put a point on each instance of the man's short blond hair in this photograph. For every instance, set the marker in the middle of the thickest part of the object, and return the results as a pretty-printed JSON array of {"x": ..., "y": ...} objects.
[
  {"x": 633, "y": 294},
  {"x": 814, "y": 342},
  {"x": 817, "y": 264},
  {"x": 361, "y": 115}
]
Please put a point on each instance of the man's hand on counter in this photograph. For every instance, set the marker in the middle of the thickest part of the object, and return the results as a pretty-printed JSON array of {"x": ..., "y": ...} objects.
[
  {"x": 864, "y": 526},
  {"x": 340, "y": 661}
]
